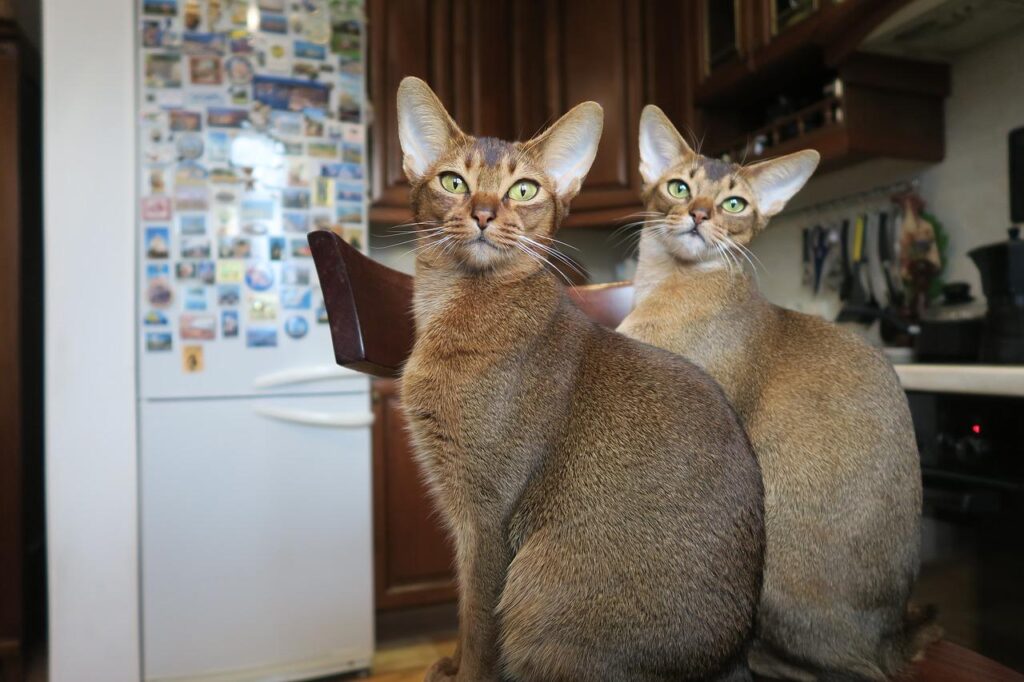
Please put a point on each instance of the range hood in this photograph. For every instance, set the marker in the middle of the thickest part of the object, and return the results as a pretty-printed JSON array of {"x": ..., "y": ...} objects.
[{"x": 940, "y": 29}]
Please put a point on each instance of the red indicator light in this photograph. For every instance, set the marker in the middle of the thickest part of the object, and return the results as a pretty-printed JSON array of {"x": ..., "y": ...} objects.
[{"x": 976, "y": 428}]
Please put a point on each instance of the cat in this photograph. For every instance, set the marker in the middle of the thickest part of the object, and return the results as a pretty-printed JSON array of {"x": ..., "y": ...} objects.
[
  {"x": 824, "y": 411},
  {"x": 605, "y": 503}
]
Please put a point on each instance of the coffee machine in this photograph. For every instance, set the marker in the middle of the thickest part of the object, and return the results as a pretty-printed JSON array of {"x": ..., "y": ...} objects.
[{"x": 1002, "y": 278}]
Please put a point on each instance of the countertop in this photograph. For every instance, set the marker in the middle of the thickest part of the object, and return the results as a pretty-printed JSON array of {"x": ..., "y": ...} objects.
[{"x": 1005, "y": 380}]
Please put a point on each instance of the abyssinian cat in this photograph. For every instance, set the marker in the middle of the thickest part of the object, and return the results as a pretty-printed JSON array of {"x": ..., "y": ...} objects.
[
  {"x": 824, "y": 412},
  {"x": 605, "y": 503}
]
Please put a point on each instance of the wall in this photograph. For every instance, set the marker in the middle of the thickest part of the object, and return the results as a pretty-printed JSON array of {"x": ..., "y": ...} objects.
[
  {"x": 89, "y": 199},
  {"x": 968, "y": 192}
]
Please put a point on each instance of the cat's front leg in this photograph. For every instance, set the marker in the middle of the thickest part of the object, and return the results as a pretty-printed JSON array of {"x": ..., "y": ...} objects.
[
  {"x": 444, "y": 670},
  {"x": 482, "y": 570}
]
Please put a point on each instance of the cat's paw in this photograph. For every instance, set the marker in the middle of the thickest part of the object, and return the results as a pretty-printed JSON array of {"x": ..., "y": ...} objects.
[{"x": 442, "y": 671}]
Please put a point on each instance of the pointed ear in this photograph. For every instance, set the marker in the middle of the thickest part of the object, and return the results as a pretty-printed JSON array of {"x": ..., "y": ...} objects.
[
  {"x": 776, "y": 181},
  {"x": 567, "y": 149},
  {"x": 424, "y": 127},
  {"x": 661, "y": 145}
]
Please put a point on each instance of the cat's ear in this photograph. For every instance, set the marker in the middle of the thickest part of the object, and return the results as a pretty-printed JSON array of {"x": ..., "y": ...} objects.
[
  {"x": 567, "y": 149},
  {"x": 661, "y": 145},
  {"x": 776, "y": 181},
  {"x": 424, "y": 127}
]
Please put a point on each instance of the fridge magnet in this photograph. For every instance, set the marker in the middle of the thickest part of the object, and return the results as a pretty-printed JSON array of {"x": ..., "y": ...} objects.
[
  {"x": 257, "y": 208},
  {"x": 324, "y": 150},
  {"x": 349, "y": 212},
  {"x": 273, "y": 23},
  {"x": 239, "y": 12},
  {"x": 296, "y": 326},
  {"x": 182, "y": 120},
  {"x": 259, "y": 276},
  {"x": 289, "y": 94},
  {"x": 272, "y": 6},
  {"x": 214, "y": 13},
  {"x": 163, "y": 70},
  {"x": 306, "y": 70},
  {"x": 263, "y": 307},
  {"x": 277, "y": 246},
  {"x": 352, "y": 152},
  {"x": 273, "y": 55},
  {"x": 295, "y": 222},
  {"x": 192, "y": 359},
  {"x": 156, "y": 208},
  {"x": 300, "y": 249},
  {"x": 322, "y": 221},
  {"x": 229, "y": 324},
  {"x": 204, "y": 99},
  {"x": 157, "y": 182},
  {"x": 188, "y": 198},
  {"x": 197, "y": 326},
  {"x": 228, "y": 295},
  {"x": 304, "y": 49},
  {"x": 348, "y": 191},
  {"x": 260, "y": 337},
  {"x": 158, "y": 341},
  {"x": 349, "y": 105},
  {"x": 192, "y": 17},
  {"x": 295, "y": 198},
  {"x": 189, "y": 173},
  {"x": 159, "y": 33},
  {"x": 192, "y": 224},
  {"x": 298, "y": 173},
  {"x": 287, "y": 123},
  {"x": 154, "y": 318},
  {"x": 239, "y": 70},
  {"x": 343, "y": 171},
  {"x": 224, "y": 117},
  {"x": 241, "y": 42},
  {"x": 230, "y": 271},
  {"x": 356, "y": 237},
  {"x": 295, "y": 275},
  {"x": 195, "y": 298},
  {"x": 204, "y": 44},
  {"x": 239, "y": 95},
  {"x": 158, "y": 242},
  {"x": 218, "y": 146},
  {"x": 159, "y": 292},
  {"x": 206, "y": 271},
  {"x": 234, "y": 247},
  {"x": 224, "y": 176},
  {"x": 256, "y": 229},
  {"x": 314, "y": 123},
  {"x": 205, "y": 70},
  {"x": 165, "y": 99},
  {"x": 165, "y": 8},
  {"x": 321, "y": 313},
  {"x": 293, "y": 298},
  {"x": 353, "y": 133},
  {"x": 189, "y": 146},
  {"x": 227, "y": 219}
]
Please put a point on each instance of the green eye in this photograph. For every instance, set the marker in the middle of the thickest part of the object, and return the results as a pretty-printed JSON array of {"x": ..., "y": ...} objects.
[
  {"x": 523, "y": 190},
  {"x": 454, "y": 183},
  {"x": 734, "y": 205},
  {"x": 678, "y": 189}
]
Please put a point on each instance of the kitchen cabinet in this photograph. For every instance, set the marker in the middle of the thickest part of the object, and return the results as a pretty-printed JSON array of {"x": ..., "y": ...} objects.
[
  {"x": 507, "y": 69},
  {"x": 413, "y": 556}
]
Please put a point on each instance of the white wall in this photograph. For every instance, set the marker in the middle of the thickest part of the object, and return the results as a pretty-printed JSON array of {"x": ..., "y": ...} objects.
[
  {"x": 89, "y": 140},
  {"x": 968, "y": 192}
]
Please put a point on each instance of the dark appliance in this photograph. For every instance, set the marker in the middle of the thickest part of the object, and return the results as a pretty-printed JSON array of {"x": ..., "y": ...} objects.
[
  {"x": 950, "y": 330},
  {"x": 972, "y": 555},
  {"x": 1017, "y": 175},
  {"x": 1002, "y": 278}
]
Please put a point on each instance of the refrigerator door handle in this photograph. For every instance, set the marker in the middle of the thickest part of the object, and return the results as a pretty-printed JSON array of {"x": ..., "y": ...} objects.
[
  {"x": 302, "y": 375},
  {"x": 337, "y": 420}
]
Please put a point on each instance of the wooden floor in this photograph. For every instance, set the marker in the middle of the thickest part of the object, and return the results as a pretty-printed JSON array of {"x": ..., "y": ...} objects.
[{"x": 407, "y": 661}]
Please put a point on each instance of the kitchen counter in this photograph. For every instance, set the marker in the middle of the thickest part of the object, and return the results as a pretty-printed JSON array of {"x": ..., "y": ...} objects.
[{"x": 1005, "y": 380}]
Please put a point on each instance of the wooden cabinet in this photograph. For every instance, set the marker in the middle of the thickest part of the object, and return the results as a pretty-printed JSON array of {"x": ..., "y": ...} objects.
[
  {"x": 413, "y": 557},
  {"x": 507, "y": 68}
]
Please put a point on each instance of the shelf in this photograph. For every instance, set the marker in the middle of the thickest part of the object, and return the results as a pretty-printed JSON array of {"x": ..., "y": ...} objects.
[{"x": 1000, "y": 380}]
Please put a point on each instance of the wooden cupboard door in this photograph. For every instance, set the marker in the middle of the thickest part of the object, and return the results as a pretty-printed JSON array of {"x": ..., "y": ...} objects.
[
  {"x": 413, "y": 555},
  {"x": 596, "y": 52}
]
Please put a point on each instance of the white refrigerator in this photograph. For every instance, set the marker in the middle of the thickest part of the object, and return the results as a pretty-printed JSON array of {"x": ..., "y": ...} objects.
[{"x": 255, "y": 448}]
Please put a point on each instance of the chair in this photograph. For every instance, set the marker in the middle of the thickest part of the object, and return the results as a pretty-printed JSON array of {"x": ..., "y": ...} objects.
[{"x": 369, "y": 307}]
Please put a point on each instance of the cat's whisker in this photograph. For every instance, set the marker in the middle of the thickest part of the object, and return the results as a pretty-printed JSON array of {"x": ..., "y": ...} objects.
[
  {"x": 420, "y": 236},
  {"x": 561, "y": 257}
]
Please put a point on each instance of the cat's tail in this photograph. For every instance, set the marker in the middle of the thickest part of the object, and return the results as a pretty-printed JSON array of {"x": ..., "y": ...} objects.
[{"x": 920, "y": 630}]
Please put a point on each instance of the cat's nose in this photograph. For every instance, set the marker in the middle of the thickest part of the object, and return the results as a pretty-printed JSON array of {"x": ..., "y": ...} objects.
[
  {"x": 483, "y": 216},
  {"x": 699, "y": 215}
]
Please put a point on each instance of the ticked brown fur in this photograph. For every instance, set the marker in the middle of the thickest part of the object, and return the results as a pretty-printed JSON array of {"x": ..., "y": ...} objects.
[
  {"x": 823, "y": 410},
  {"x": 605, "y": 504}
]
